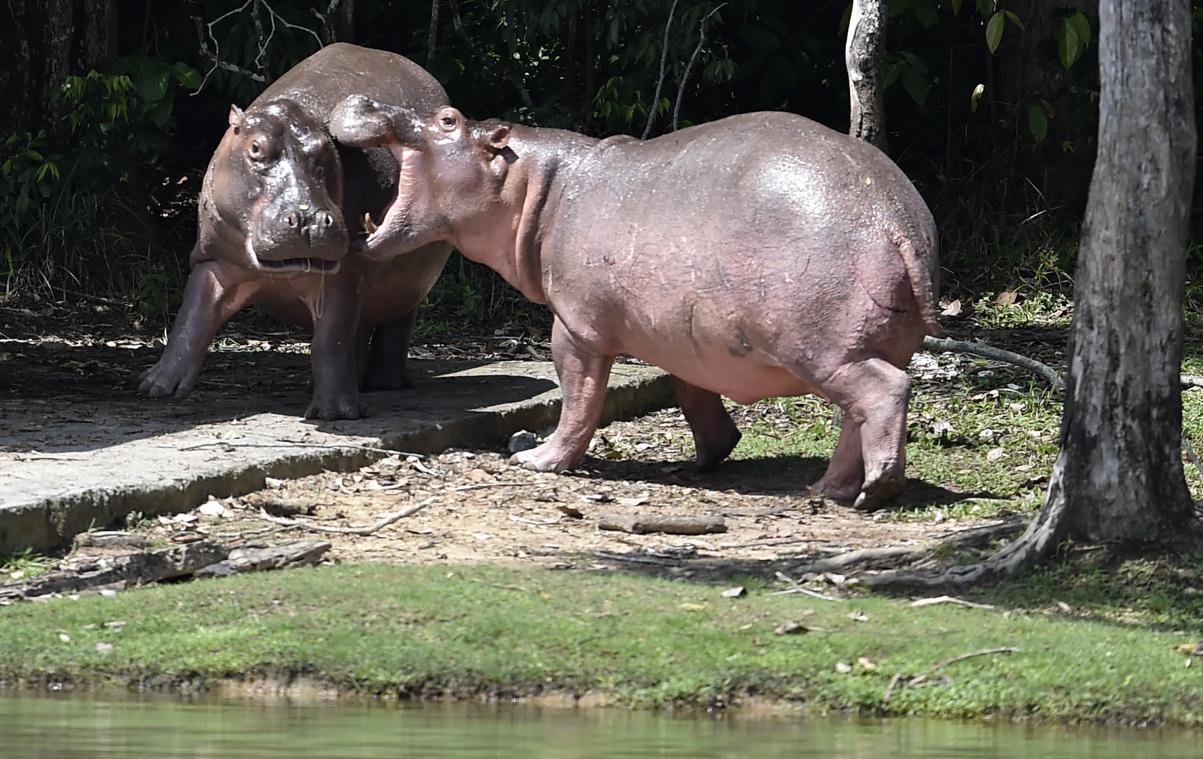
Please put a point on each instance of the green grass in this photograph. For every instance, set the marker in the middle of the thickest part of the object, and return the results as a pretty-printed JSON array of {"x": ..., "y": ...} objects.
[{"x": 383, "y": 629}]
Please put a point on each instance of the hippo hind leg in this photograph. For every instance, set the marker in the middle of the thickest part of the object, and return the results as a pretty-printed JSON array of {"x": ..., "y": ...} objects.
[
  {"x": 846, "y": 473},
  {"x": 714, "y": 433},
  {"x": 387, "y": 355},
  {"x": 873, "y": 394}
]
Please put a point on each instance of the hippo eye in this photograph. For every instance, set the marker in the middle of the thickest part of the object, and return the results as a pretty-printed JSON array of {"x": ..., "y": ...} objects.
[
  {"x": 448, "y": 121},
  {"x": 320, "y": 172}
]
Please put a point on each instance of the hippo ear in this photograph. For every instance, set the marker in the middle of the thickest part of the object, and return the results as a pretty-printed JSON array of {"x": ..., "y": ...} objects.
[
  {"x": 235, "y": 116},
  {"x": 498, "y": 138}
]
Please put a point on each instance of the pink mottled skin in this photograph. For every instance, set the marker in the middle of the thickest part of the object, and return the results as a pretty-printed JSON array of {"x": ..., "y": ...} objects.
[{"x": 757, "y": 256}]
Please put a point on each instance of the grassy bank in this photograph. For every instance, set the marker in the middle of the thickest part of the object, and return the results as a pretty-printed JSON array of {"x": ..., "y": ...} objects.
[{"x": 1110, "y": 655}]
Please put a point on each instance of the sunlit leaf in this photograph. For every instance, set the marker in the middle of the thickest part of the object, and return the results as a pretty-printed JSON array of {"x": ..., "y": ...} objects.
[{"x": 976, "y": 96}]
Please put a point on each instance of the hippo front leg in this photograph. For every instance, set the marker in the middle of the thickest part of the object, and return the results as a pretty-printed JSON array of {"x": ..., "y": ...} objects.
[
  {"x": 714, "y": 433},
  {"x": 583, "y": 377},
  {"x": 335, "y": 322},
  {"x": 388, "y": 354},
  {"x": 210, "y": 299}
]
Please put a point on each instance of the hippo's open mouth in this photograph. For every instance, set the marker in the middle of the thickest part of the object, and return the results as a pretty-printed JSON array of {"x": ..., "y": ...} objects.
[{"x": 396, "y": 215}]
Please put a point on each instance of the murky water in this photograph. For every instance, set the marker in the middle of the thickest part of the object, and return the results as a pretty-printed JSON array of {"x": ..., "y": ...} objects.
[{"x": 64, "y": 728}]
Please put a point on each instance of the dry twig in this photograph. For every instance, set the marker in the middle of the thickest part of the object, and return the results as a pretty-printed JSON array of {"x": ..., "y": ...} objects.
[{"x": 380, "y": 524}]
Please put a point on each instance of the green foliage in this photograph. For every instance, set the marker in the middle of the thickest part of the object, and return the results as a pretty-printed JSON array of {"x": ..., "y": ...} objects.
[{"x": 73, "y": 201}]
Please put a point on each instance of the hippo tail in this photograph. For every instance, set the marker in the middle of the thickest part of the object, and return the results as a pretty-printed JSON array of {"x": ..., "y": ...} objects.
[{"x": 923, "y": 285}]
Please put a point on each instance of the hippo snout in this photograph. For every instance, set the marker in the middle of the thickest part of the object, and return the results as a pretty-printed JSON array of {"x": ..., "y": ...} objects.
[{"x": 301, "y": 238}]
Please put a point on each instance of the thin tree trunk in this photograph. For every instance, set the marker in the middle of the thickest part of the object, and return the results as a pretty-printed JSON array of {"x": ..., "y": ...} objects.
[
  {"x": 1119, "y": 473},
  {"x": 863, "y": 54},
  {"x": 346, "y": 21}
]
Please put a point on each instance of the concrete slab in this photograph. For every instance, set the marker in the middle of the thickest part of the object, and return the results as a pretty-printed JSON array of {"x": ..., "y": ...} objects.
[{"x": 66, "y": 467}]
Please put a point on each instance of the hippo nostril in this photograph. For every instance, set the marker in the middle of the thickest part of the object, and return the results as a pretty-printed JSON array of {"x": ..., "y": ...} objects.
[
  {"x": 293, "y": 220},
  {"x": 326, "y": 219}
]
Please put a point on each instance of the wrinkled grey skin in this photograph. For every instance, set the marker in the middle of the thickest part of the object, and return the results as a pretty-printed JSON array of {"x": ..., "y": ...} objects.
[
  {"x": 277, "y": 211},
  {"x": 761, "y": 255}
]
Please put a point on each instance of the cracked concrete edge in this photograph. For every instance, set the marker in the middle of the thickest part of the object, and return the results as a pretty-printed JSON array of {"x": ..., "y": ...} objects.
[{"x": 53, "y": 523}]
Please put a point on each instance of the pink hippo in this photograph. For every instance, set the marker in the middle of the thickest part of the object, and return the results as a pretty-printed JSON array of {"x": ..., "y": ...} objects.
[{"x": 757, "y": 256}]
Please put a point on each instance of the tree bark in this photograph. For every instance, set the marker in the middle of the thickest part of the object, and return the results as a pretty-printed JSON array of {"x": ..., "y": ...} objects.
[
  {"x": 863, "y": 54},
  {"x": 44, "y": 43},
  {"x": 1119, "y": 474}
]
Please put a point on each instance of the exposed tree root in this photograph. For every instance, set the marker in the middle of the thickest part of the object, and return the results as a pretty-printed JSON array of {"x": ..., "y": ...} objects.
[
  {"x": 894, "y": 556},
  {"x": 1036, "y": 544},
  {"x": 948, "y": 345}
]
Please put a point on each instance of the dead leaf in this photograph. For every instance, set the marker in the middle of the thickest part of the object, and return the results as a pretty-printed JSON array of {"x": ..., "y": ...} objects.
[
  {"x": 858, "y": 616},
  {"x": 1006, "y": 298},
  {"x": 64, "y": 637},
  {"x": 843, "y": 667},
  {"x": 866, "y": 664},
  {"x": 994, "y": 454},
  {"x": 104, "y": 648},
  {"x": 952, "y": 309},
  {"x": 687, "y": 606},
  {"x": 791, "y": 628},
  {"x": 737, "y": 592},
  {"x": 570, "y": 511},
  {"x": 1190, "y": 649}
]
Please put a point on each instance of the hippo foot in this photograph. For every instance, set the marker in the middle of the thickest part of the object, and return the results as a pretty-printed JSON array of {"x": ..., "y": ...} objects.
[
  {"x": 712, "y": 452},
  {"x": 842, "y": 492},
  {"x": 380, "y": 379},
  {"x": 544, "y": 458},
  {"x": 338, "y": 408},
  {"x": 878, "y": 490},
  {"x": 164, "y": 379}
]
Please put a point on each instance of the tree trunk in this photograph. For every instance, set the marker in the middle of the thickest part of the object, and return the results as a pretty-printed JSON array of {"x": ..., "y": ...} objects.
[
  {"x": 863, "y": 54},
  {"x": 44, "y": 42},
  {"x": 1119, "y": 474},
  {"x": 346, "y": 21}
]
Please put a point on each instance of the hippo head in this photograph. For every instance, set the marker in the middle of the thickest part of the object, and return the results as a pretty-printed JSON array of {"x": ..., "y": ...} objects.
[
  {"x": 276, "y": 180},
  {"x": 451, "y": 170}
]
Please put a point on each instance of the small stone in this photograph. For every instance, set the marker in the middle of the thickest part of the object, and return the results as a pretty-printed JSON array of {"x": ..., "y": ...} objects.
[
  {"x": 212, "y": 509},
  {"x": 522, "y": 440},
  {"x": 104, "y": 648},
  {"x": 843, "y": 667},
  {"x": 64, "y": 637},
  {"x": 737, "y": 592}
]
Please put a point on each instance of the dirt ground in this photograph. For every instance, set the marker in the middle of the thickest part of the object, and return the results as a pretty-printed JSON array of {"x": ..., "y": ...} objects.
[{"x": 477, "y": 508}]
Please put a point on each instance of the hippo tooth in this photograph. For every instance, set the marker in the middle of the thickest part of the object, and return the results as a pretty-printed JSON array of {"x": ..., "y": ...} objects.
[{"x": 368, "y": 224}]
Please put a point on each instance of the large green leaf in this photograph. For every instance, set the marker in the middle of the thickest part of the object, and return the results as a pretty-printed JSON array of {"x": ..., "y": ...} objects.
[
  {"x": 994, "y": 30},
  {"x": 150, "y": 79}
]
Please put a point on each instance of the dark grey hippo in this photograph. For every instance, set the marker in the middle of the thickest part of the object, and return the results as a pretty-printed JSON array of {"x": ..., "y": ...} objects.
[{"x": 278, "y": 208}]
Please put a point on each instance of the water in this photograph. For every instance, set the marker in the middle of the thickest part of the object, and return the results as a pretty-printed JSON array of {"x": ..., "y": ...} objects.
[{"x": 65, "y": 728}]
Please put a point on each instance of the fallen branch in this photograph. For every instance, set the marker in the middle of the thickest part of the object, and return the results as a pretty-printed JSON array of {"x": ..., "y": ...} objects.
[
  {"x": 380, "y": 524},
  {"x": 298, "y": 553},
  {"x": 948, "y": 600},
  {"x": 636, "y": 559},
  {"x": 642, "y": 523},
  {"x": 948, "y": 345},
  {"x": 120, "y": 571},
  {"x": 796, "y": 587},
  {"x": 973, "y": 654},
  {"x": 1192, "y": 381}
]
